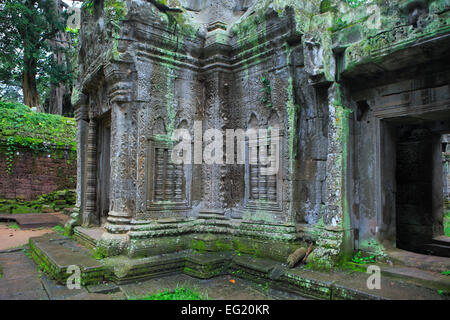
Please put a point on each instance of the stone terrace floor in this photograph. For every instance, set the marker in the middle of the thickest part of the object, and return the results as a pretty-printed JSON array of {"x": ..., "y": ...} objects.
[{"x": 22, "y": 281}]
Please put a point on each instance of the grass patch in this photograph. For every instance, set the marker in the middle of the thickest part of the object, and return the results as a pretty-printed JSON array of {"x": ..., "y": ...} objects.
[
  {"x": 13, "y": 225},
  {"x": 178, "y": 294},
  {"x": 59, "y": 230}
]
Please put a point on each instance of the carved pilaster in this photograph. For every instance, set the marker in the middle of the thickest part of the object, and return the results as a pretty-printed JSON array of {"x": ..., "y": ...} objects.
[
  {"x": 120, "y": 215},
  {"x": 89, "y": 213}
]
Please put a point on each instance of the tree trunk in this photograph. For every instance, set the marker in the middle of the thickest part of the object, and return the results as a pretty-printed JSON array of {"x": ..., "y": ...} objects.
[{"x": 30, "y": 93}]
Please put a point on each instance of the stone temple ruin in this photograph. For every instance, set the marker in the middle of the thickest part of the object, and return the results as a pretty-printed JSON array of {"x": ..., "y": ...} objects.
[{"x": 361, "y": 97}]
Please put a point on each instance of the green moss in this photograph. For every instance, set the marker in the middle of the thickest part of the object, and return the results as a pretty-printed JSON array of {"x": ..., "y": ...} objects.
[
  {"x": 100, "y": 253},
  {"x": 57, "y": 200},
  {"x": 35, "y": 130}
]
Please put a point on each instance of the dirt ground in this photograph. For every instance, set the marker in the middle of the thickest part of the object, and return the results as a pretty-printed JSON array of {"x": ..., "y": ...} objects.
[{"x": 12, "y": 238}]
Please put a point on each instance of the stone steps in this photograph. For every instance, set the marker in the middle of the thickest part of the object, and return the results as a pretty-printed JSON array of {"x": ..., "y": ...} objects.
[
  {"x": 55, "y": 253},
  {"x": 88, "y": 237},
  {"x": 33, "y": 220}
]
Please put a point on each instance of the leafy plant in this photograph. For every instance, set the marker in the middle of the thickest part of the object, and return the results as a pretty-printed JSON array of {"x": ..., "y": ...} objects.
[
  {"x": 267, "y": 90},
  {"x": 179, "y": 293},
  {"x": 355, "y": 3},
  {"x": 10, "y": 150},
  {"x": 59, "y": 230},
  {"x": 363, "y": 260},
  {"x": 14, "y": 226},
  {"x": 88, "y": 5},
  {"x": 100, "y": 253}
]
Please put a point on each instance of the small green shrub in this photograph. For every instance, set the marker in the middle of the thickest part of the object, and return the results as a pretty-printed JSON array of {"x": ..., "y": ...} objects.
[
  {"x": 14, "y": 226},
  {"x": 100, "y": 253},
  {"x": 363, "y": 260},
  {"x": 178, "y": 294},
  {"x": 59, "y": 230}
]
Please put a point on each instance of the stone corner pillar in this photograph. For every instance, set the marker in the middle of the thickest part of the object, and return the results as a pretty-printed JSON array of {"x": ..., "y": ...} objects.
[{"x": 121, "y": 195}]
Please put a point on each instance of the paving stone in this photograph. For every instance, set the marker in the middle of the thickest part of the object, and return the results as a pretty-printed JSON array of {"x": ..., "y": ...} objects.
[
  {"x": 104, "y": 288},
  {"x": 56, "y": 291},
  {"x": 20, "y": 280}
]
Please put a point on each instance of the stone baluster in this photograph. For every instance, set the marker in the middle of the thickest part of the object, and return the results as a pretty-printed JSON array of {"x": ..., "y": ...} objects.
[
  {"x": 169, "y": 181},
  {"x": 178, "y": 172},
  {"x": 262, "y": 183},
  {"x": 254, "y": 173},
  {"x": 159, "y": 174}
]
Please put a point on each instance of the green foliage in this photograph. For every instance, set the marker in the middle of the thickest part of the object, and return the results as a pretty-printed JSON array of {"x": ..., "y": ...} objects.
[
  {"x": 27, "y": 28},
  {"x": 88, "y": 6},
  {"x": 447, "y": 224},
  {"x": 363, "y": 260},
  {"x": 10, "y": 150},
  {"x": 14, "y": 226},
  {"x": 115, "y": 11},
  {"x": 355, "y": 3},
  {"x": 16, "y": 206},
  {"x": 446, "y": 273},
  {"x": 19, "y": 126},
  {"x": 178, "y": 294},
  {"x": 100, "y": 253},
  {"x": 59, "y": 230}
]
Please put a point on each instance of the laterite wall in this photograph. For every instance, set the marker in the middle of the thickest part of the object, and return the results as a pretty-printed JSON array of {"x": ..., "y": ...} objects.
[{"x": 35, "y": 173}]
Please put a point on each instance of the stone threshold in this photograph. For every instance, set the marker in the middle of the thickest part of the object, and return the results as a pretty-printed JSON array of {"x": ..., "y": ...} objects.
[{"x": 55, "y": 253}]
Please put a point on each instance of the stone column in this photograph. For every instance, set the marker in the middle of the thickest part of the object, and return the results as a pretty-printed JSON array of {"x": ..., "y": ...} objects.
[
  {"x": 90, "y": 215},
  {"x": 218, "y": 81},
  {"x": 120, "y": 214},
  {"x": 81, "y": 118}
]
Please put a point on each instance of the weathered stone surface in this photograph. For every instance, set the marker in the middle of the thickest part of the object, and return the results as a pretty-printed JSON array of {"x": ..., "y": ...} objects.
[{"x": 340, "y": 82}]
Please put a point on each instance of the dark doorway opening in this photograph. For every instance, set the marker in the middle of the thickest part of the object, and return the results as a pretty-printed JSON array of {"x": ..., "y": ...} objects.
[
  {"x": 413, "y": 185},
  {"x": 103, "y": 167}
]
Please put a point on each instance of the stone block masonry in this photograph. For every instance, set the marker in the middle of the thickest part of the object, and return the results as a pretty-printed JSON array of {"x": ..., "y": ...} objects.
[{"x": 35, "y": 173}]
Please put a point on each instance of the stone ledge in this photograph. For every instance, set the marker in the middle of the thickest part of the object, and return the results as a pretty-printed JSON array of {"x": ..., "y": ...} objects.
[{"x": 54, "y": 254}]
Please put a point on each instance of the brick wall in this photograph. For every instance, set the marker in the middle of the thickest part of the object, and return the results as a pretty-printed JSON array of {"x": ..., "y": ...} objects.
[{"x": 33, "y": 174}]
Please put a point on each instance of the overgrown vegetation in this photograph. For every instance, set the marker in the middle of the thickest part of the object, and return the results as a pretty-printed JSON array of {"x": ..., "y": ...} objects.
[
  {"x": 55, "y": 201},
  {"x": 179, "y": 293},
  {"x": 363, "y": 260},
  {"x": 29, "y": 30},
  {"x": 20, "y": 126},
  {"x": 14, "y": 226},
  {"x": 355, "y": 3},
  {"x": 447, "y": 224},
  {"x": 59, "y": 230},
  {"x": 100, "y": 253}
]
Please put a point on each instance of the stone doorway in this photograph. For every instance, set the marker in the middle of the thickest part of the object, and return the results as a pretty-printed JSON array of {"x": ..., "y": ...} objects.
[
  {"x": 103, "y": 167},
  {"x": 412, "y": 175}
]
